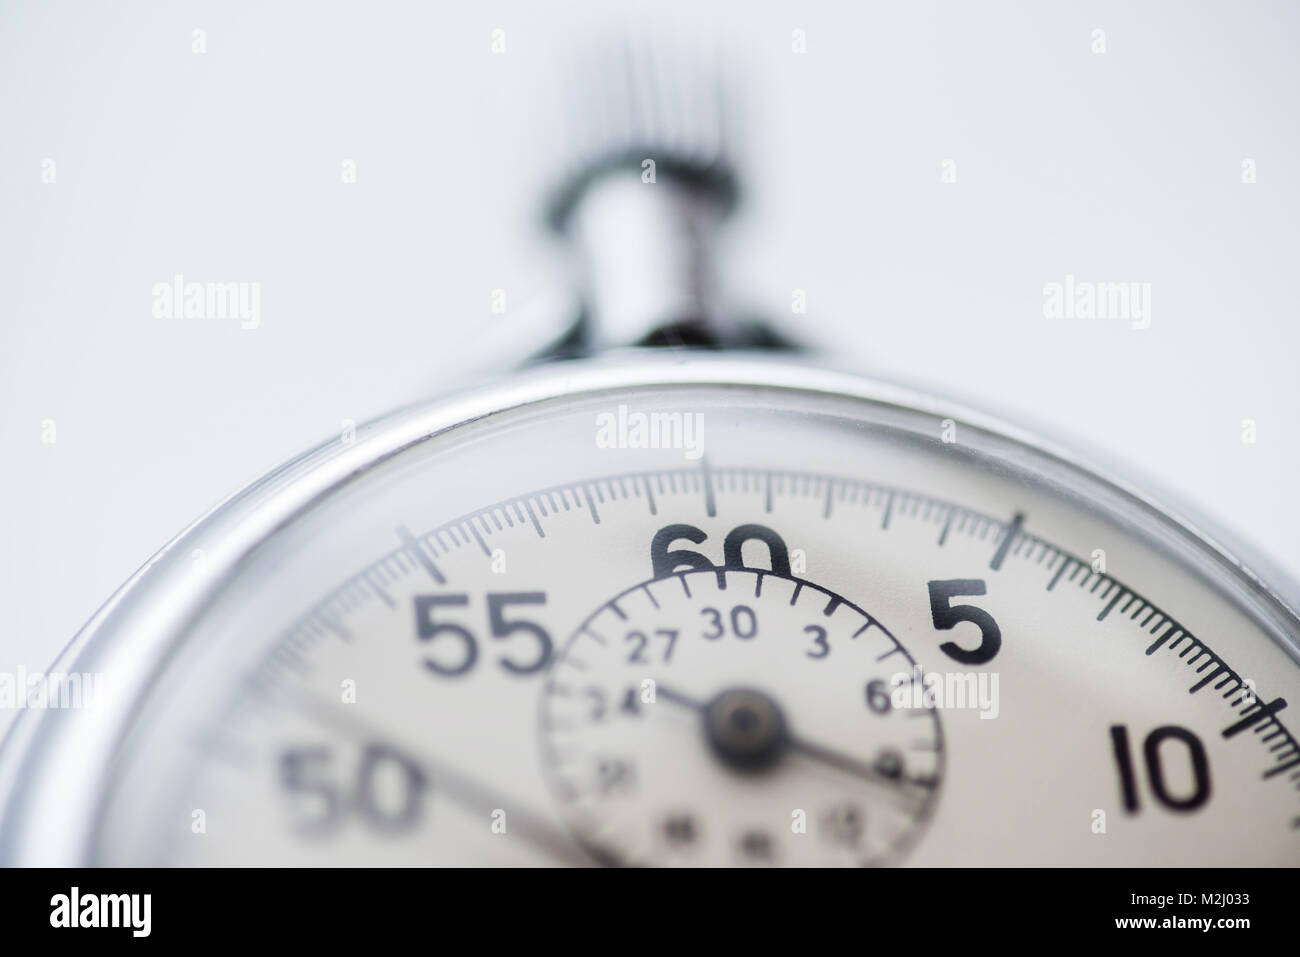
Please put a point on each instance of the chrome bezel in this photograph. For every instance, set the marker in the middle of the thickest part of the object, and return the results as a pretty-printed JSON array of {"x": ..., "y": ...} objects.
[{"x": 54, "y": 764}]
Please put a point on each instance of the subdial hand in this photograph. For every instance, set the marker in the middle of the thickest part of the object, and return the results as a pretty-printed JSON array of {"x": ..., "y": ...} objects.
[{"x": 747, "y": 730}]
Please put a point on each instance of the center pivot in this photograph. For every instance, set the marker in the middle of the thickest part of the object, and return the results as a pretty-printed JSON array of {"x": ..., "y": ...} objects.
[{"x": 745, "y": 728}]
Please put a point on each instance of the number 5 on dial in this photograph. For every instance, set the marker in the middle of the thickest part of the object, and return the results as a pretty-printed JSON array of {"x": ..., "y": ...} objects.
[{"x": 947, "y": 615}]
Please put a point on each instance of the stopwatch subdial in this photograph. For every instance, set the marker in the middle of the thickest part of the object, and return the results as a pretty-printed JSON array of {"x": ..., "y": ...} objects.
[{"x": 738, "y": 716}]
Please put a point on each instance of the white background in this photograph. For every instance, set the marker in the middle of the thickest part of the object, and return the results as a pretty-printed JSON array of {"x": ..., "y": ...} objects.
[{"x": 1122, "y": 166}]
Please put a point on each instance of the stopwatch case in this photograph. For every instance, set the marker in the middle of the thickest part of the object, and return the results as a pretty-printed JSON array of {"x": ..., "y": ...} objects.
[{"x": 55, "y": 764}]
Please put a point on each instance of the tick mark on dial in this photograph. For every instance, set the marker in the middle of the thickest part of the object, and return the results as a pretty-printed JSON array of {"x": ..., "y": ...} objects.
[
  {"x": 537, "y": 526},
  {"x": 418, "y": 553},
  {"x": 947, "y": 524},
  {"x": 591, "y": 504},
  {"x": 1119, "y": 593},
  {"x": 649, "y": 494},
  {"x": 1220, "y": 669},
  {"x": 379, "y": 590},
  {"x": 479, "y": 538},
  {"x": 1259, "y": 714},
  {"x": 1012, "y": 531},
  {"x": 706, "y": 479},
  {"x": 1065, "y": 563}
]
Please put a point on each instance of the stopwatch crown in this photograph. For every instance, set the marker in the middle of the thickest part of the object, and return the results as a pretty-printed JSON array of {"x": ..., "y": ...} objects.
[
  {"x": 648, "y": 132},
  {"x": 657, "y": 112}
]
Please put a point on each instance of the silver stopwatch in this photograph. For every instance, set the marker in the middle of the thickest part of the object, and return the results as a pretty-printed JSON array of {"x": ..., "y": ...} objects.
[{"x": 681, "y": 595}]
